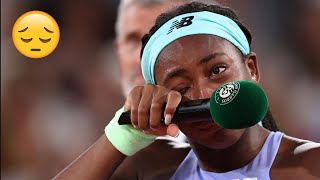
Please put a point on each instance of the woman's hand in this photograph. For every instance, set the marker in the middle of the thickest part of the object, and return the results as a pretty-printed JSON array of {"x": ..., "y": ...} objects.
[{"x": 146, "y": 102}]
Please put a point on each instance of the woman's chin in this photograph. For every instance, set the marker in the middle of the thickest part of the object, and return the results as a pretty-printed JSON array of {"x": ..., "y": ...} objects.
[{"x": 212, "y": 136}]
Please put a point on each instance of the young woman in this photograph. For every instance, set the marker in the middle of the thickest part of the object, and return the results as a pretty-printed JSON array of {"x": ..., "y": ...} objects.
[{"x": 189, "y": 53}]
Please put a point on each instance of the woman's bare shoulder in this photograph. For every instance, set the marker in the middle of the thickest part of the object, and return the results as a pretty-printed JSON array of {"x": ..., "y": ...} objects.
[
  {"x": 300, "y": 147},
  {"x": 298, "y": 158}
]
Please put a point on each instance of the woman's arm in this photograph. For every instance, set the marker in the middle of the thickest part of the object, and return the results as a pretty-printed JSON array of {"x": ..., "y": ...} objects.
[
  {"x": 309, "y": 153},
  {"x": 102, "y": 159},
  {"x": 98, "y": 162}
]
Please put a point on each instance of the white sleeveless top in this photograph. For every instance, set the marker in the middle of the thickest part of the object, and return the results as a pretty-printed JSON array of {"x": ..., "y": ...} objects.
[{"x": 257, "y": 169}]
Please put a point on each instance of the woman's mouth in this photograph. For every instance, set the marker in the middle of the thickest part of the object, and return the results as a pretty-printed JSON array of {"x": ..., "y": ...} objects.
[{"x": 207, "y": 126}]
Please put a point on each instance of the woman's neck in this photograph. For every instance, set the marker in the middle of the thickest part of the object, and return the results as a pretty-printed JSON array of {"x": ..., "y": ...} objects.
[{"x": 235, "y": 156}]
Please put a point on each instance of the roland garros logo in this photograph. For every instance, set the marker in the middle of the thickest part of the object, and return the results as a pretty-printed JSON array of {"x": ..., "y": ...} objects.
[{"x": 227, "y": 93}]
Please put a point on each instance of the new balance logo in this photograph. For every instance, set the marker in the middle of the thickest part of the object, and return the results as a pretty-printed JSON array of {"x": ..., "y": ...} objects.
[{"x": 186, "y": 21}]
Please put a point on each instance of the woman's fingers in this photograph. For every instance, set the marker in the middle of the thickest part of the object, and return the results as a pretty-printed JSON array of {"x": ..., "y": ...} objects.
[
  {"x": 173, "y": 100},
  {"x": 132, "y": 104},
  {"x": 173, "y": 130},
  {"x": 162, "y": 96},
  {"x": 144, "y": 106},
  {"x": 156, "y": 111}
]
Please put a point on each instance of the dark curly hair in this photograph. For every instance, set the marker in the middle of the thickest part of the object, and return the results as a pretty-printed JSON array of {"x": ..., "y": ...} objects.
[{"x": 268, "y": 121}]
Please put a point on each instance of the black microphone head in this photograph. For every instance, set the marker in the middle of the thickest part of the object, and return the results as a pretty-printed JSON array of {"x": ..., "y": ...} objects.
[{"x": 238, "y": 104}]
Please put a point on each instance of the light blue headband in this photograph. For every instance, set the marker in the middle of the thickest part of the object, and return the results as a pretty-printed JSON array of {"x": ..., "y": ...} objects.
[{"x": 187, "y": 24}]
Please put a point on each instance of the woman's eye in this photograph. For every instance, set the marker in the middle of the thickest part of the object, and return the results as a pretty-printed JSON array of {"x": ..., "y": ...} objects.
[
  {"x": 217, "y": 70},
  {"x": 183, "y": 90},
  {"x": 26, "y": 40}
]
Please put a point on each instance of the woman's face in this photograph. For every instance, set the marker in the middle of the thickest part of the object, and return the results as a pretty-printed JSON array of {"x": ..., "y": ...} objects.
[{"x": 196, "y": 66}]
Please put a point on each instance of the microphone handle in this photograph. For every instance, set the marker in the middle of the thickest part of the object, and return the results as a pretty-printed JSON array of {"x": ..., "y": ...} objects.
[{"x": 187, "y": 111}]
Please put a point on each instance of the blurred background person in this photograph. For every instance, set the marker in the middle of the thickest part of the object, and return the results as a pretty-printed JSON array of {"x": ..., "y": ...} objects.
[{"x": 53, "y": 108}]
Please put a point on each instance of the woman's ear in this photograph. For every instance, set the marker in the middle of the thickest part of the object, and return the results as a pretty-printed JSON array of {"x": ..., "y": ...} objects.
[{"x": 252, "y": 66}]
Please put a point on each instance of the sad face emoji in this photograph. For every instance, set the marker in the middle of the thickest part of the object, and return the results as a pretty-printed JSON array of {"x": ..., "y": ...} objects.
[{"x": 35, "y": 34}]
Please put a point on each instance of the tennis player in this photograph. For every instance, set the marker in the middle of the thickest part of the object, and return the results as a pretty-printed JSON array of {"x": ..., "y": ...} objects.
[{"x": 189, "y": 53}]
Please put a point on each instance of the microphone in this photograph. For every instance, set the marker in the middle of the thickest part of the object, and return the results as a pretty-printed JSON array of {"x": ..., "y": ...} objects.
[{"x": 234, "y": 105}]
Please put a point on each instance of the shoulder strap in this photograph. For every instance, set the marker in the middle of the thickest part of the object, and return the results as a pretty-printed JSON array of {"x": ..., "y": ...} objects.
[{"x": 269, "y": 151}]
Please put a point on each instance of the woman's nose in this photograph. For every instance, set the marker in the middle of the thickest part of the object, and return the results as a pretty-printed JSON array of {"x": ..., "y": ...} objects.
[{"x": 203, "y": 92}]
